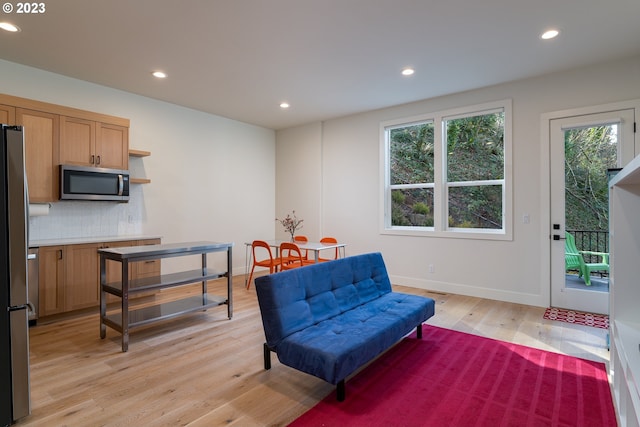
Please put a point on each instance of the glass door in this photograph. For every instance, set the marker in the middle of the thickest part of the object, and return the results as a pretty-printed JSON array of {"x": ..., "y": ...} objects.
[{"x": 583, "y": 148}]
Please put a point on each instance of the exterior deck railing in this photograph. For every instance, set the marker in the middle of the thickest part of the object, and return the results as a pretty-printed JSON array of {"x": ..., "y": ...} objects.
[{"x": 594, "y": 241}]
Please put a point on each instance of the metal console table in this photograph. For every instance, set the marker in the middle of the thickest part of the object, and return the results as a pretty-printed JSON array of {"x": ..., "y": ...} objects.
[{"x": 126, "y": 319}]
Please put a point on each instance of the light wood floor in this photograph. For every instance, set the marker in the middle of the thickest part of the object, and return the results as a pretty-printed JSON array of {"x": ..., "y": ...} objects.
[{"x": 205, "y": 370}]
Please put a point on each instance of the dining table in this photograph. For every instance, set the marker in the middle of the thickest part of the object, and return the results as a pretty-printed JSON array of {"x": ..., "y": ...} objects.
[{"x": 315, "y": 247}]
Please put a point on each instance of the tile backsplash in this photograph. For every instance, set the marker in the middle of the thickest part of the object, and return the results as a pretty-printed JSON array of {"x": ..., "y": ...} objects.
[{"x": 79, "y": 219}]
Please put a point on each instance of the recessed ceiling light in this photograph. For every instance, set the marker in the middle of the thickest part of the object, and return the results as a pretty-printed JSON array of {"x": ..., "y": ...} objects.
[
  {"x": 9, "y": 27},
  {"x": 159, "y": 74},
  {"x": 284, "y": 105},
  {"x": 408, "y": 71},
  {"x": 549, "y": 34}
]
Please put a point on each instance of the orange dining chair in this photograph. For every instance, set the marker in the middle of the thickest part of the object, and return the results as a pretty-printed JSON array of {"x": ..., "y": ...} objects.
[
  {"x": 329, "y": 240},
  {"x": 291, "y": 257},
  {"x": 302, "y": 239},
  {"x": 271, "y": 263}
]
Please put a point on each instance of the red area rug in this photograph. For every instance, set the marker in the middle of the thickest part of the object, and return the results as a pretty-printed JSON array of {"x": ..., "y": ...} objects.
[
  {"x": 577, "y": 317},
  {"x": 451, "y": 378}
]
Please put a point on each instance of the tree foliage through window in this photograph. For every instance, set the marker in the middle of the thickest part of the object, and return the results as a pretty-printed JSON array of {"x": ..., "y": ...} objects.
[
  {"x": 473, "y": 175},
  {"x": 589, "y": 152}
]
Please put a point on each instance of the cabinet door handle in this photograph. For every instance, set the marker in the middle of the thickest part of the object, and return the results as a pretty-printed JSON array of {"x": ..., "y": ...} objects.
[
  {"x": 97, "y": 160},
  {"x": 93, "y": 159},
  {"x": 59, "y": 253}
]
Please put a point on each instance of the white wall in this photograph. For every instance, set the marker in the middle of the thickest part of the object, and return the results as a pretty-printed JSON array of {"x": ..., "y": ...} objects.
[
  {"x": 348, "y": 168},
  {"x": 211, "y": 178},
  {"x": 299, "y": 178}
]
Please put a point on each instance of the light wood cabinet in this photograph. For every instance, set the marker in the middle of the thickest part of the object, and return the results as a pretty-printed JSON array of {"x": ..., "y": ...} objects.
[
  {"x": 51, "y": 280},
  {"x": 81, "y": 276},
  {"x": 68, "y": 278},
  {"x": 41, "y": 137},
  {"x": 7, "y": 114},
  {"x": 112, "y": 146},
  {"x": 55, "y": 134},
  {"x": 70, "y": 275},
  {"x": 90, "y": 143},
  {"x": 78, "y": 141}
]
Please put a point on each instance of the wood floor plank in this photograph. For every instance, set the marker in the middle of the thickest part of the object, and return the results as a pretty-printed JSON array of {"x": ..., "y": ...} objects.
[{"x": 203, "y": 369}]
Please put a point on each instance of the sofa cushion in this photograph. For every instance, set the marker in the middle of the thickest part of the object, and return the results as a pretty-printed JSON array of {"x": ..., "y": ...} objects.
[
  {"x": 293, "y": 300},
  {"x": 334, "y": 348}
]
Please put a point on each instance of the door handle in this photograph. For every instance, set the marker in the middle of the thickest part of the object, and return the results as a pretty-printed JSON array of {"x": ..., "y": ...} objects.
[{"x": 557, "y": 236}]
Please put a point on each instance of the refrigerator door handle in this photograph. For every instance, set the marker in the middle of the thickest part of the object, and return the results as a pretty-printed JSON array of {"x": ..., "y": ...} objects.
[{"x": 28, "y": 306}]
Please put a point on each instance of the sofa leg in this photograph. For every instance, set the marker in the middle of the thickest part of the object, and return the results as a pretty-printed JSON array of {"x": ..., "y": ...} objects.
[
  {"x": 419, "y": 331},
  {"x": 267, "y": 357},
  {"x": 340, "y": 391}
]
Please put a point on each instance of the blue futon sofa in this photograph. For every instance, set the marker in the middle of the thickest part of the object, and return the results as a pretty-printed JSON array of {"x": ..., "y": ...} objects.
[{"x": 331, "y": 318}]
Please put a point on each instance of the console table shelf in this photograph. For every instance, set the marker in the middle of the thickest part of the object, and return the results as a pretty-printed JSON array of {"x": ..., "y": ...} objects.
[
  {"x": 146, "y": 315},
  {"x": 127, "y": 318},
  {"x": 160, "y": 282}
]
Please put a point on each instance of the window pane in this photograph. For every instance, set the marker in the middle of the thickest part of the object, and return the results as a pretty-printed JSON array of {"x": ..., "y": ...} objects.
[
  {"x": 469, "y": 176},
  {"x": 476, "y": 207},
  {"x": 411, "y": 154},
  {"x": 412, "y": 207},
  {"x": 589, "y": 152},
  {"x": 475, "y": 148}
]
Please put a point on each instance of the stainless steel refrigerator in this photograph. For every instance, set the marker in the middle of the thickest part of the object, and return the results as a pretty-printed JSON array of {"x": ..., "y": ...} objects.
[{"x": 14, "y": 306}]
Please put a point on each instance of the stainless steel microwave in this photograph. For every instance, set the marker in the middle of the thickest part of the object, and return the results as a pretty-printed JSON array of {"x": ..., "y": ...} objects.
[{"x": 90, "y": 183}]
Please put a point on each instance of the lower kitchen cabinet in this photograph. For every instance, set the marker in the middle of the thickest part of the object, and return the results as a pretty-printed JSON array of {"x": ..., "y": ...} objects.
[
  {"x": 81, "y": 276},
  {"x": 51, "y": 280},
  {"x": 70, "y": 275}
]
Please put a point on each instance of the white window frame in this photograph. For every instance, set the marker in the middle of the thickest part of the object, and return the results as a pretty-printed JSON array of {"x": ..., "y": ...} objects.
[{"x": 441, "y": 227}]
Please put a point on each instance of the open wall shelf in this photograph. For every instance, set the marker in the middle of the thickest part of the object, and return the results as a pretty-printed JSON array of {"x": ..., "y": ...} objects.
[{"x": 139, "y": 153}]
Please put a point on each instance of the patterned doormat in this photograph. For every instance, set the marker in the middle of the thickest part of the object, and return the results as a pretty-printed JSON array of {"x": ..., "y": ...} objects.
[{"x": 577, "y": 317}]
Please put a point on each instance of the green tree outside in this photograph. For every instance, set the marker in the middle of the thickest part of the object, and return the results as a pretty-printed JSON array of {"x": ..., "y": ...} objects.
[{"x": 589, "y": 152}]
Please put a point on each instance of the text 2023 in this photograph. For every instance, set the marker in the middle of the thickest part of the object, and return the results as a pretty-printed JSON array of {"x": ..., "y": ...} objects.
[{"x": 30, "y": 8}]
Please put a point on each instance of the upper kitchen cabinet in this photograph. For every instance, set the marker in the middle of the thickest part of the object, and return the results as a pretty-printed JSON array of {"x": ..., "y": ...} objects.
[
  {"x": 41, "y": 132},
  {"x": 93, "y": 143},
  {"x": 55, "y": 135},
  {"x": 7, "y": 114},
  {"x": 78, "y": 138},
  {"x": 112, "y": 143}
]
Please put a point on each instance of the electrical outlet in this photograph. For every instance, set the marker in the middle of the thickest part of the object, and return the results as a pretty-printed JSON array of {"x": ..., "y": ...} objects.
[{"x": 431, "y": 269}]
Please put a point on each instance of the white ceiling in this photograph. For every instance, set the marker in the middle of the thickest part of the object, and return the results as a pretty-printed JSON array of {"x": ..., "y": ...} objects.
[{"x": 327, "y": 58}]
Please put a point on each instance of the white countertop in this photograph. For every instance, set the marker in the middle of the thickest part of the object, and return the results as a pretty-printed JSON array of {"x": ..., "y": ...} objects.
[{"x": 83, "y": 240}]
